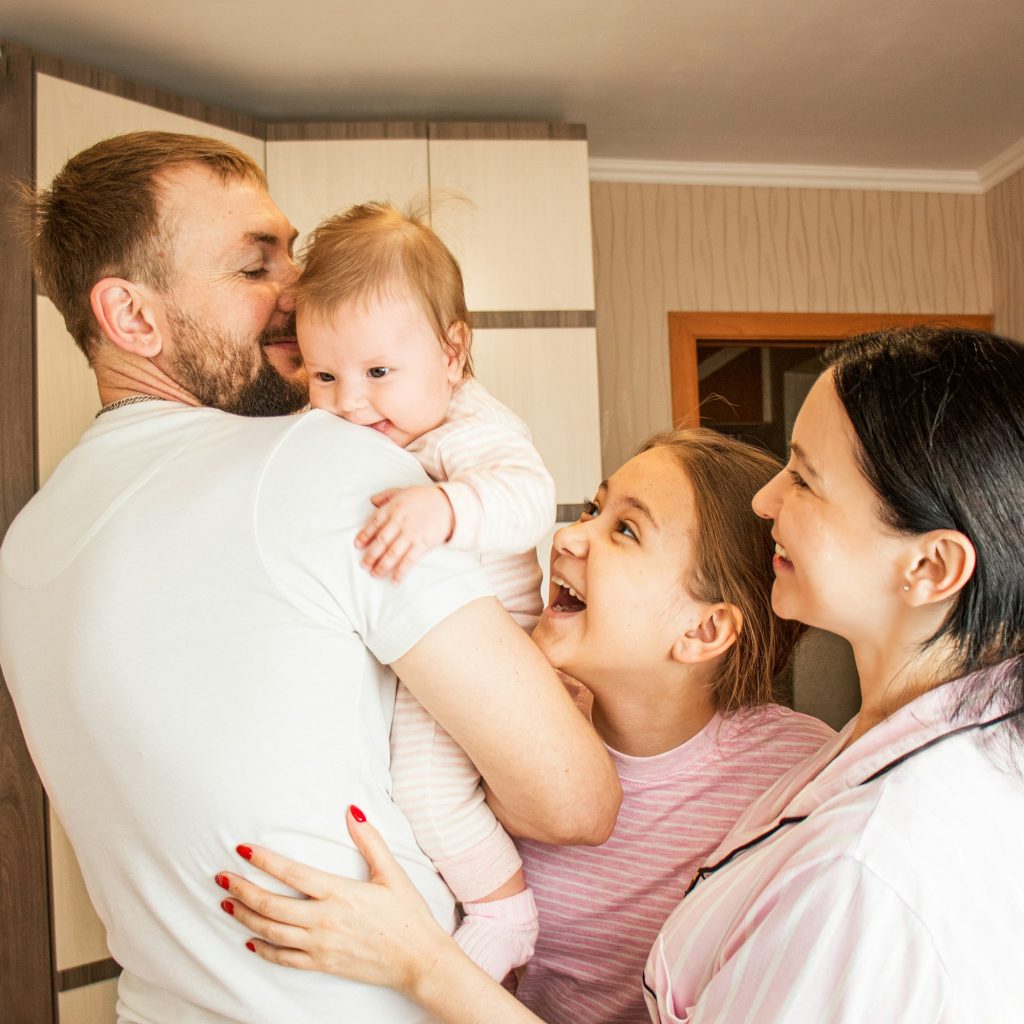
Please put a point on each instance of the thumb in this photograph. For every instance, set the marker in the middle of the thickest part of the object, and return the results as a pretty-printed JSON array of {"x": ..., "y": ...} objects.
[
  {"x": 384, "y": 869},
  {"x": 383, "y": 497}
]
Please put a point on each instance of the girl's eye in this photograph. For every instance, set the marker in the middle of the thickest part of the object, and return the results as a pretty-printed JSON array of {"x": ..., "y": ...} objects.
[
  {"x": 626, "y": 530},
  {"x": 590, "y": 510},
  {"x": 376, "y": 372},
  {"x": 324, "y": 377},
  {"x": 797, "y": 480},
  {"x": 254, "y": 275}
]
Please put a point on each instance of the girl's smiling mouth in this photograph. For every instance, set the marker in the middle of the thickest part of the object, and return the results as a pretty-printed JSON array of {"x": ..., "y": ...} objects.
[{"x": 567, "y": 599}]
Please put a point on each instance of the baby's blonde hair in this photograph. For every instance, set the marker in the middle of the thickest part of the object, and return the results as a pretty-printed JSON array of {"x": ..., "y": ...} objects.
[{"x": 374, "y": 250}]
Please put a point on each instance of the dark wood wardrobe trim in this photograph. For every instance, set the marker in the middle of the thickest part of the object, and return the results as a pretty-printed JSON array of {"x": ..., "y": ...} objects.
[
  {"x": 105, "y": 81},
  {"x": 27, "y": 991},
  {"x": 510, "y": 130},
  {"x": 87, "y": 974},
  {"x": 320, "y": 131},
  {"x": 505, "y": 319}
]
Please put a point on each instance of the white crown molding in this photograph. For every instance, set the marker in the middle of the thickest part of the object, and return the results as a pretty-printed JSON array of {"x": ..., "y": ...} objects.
[
  {"x": 1001, "y": 167},
  {"x": 669, "y": 172}
]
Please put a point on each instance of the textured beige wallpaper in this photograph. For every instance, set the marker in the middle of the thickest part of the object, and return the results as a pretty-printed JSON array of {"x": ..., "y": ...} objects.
[
  {"x": 662, "y": 248},
  {"x": 1004, "y": 206}
]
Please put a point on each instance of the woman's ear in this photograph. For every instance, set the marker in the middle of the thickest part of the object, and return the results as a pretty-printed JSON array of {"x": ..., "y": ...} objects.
[
  {"x": 716, "y": 632},
  {"x": 939, "y": 565},
  {"x": 457, "y": 348},
  {"x": 125, "y": 314}
]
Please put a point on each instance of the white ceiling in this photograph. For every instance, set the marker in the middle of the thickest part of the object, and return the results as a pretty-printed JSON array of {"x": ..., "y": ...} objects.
[{"x": 901, "y": 84}]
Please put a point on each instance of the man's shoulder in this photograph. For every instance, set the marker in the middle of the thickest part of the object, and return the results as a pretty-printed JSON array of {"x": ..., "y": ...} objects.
[{"x": 318, "y": 442}]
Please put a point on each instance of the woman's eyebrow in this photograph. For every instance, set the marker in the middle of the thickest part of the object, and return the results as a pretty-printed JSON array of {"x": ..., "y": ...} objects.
[{"x": 801, "y": 457}]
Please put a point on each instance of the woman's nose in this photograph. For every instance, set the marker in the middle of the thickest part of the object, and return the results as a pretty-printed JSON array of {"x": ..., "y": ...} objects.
[{"x": 766, "y": 502}]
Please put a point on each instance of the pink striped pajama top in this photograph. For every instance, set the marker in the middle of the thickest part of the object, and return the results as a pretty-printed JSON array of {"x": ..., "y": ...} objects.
[
  {"x": 601, "y": 907},
  {"x": 899, "y": 898}
]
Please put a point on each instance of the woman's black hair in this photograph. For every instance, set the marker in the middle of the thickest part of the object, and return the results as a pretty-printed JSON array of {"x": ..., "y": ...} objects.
[{"x": 939, "y": 416}]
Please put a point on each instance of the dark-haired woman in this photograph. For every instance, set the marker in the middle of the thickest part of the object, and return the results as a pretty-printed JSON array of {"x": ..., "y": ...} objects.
[{"x": 882, "y": 880}]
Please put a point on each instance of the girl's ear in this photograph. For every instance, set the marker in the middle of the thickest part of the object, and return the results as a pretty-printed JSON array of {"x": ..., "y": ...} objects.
[
  {"x": 939, "y": 564},
  {"x": 718, "y": 629},
  {"x": 124, "y": 311},
  {"x": 457, "y": 350}
]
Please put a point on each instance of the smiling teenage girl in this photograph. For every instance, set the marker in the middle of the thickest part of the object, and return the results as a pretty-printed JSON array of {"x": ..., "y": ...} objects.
[{"x": 661, "y": 607}]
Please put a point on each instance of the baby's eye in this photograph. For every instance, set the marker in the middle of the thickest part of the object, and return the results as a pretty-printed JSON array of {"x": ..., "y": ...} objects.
[
  {"x": 590, "y": 510},
  {"x": 376, "y": 372},
  {"x": 324, "y": 377},
  {"x": 254, "y": 275},
  {"x": 626, "y": 530}
]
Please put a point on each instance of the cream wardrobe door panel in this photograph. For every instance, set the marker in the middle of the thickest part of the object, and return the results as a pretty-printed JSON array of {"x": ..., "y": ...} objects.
[
  {"x": 66, "y": 389},
  {"x": 548, "y": 376},
  {"x": 522, "y": 231},
  {"x": 311, "y": 180},
  {"x": 93, "y": 1004},
  {"x": 79, "y": 935},
  {"x": 70, "y": 117}
]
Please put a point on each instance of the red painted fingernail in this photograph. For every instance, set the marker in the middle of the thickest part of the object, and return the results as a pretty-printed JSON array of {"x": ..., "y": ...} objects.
[
  {"x": 357, "y": 814},
  {"x": 251, "y": 946},
  {"x": 244, "y": 851},
  {"x": 228, "y": 907},
  {"x": 222, "y": 881}
]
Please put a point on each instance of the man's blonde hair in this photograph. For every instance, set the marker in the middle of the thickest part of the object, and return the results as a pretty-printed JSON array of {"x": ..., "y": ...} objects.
[{"x": 374, "y": 250}]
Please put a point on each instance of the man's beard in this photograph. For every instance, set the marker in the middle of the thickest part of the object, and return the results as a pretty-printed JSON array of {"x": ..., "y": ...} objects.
[{"x": 222, "y": 372}]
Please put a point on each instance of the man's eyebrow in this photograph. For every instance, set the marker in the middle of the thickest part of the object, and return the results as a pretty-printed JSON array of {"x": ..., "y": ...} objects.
[
  {"x": 266, "y": 238},
  {"x": 801, "y": 457}
]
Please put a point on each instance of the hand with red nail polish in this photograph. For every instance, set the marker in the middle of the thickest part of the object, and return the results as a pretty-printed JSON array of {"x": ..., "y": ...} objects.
[{"x": 379, "y": 932}]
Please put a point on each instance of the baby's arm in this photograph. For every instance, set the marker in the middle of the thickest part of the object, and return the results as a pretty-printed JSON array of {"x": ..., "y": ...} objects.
[
  {"x": 497, "y": 498},
  {"x": 500, "y": 490},
  {"x": 409, "y": 522}
]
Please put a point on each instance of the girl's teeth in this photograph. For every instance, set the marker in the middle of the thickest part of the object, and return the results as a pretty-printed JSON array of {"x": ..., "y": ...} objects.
[
  {"x": 561, "y": 583},
  {"x": 781, "y": 552}
]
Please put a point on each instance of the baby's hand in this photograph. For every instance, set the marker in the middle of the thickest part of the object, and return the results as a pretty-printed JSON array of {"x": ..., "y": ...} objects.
[{"x": 409, "y": 522}]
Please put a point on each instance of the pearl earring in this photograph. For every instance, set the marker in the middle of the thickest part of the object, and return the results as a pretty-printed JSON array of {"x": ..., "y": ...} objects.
[{"x": 906, "y": 586}]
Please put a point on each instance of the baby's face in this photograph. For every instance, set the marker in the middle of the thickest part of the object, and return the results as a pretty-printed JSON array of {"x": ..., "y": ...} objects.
[{"x": 378, "y": 363}]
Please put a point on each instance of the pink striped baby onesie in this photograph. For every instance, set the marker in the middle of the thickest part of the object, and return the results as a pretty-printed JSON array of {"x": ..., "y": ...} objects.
[
  {"x": 504, "y": 503},
  {"x": 602, "y": 907}
]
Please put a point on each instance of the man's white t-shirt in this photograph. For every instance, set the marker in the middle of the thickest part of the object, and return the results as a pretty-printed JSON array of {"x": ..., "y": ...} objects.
[{"x": 195, "y": 655}]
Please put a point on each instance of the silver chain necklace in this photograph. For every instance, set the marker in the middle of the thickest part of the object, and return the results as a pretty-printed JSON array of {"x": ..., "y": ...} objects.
[{"x": 129, "y": 400}]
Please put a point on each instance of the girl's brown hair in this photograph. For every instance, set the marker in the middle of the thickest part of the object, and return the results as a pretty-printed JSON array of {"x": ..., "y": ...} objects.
[
  {"x": 373, "y": 250},
  {"x": 733, "y": 551}
]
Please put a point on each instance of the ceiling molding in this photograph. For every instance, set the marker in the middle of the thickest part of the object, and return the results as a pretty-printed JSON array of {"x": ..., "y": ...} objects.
[
  {"x": 667, "y": 172},
  {"x": 1001, "y": 167}
]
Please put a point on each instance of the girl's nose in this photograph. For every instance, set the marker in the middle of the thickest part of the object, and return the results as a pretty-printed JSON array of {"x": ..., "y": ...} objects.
[{"x": 572, "y": 540}]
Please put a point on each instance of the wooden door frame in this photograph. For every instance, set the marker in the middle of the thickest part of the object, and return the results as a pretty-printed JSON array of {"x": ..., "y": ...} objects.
[
  {"x": 686, "y": 330},
  {"x": 28, "y": 984}
]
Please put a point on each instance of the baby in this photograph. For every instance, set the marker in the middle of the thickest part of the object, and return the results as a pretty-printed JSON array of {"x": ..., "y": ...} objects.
[{"x": 384, "y": 333}]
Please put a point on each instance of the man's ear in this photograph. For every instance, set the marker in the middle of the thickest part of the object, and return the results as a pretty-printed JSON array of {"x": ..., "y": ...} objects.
[
  {"x": 939, "y": 564},
  {"x": 457, "y": 348},
  {"x": 124, "y": 311},
  {"x": 716, "y": 632}
]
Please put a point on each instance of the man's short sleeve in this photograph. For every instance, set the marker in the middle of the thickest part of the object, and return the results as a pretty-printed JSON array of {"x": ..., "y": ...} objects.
[{"x": 311, "y": 501}]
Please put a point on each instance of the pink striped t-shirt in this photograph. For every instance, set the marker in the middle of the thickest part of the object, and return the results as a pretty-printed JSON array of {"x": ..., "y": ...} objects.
[{"x": 602, "y": 907}]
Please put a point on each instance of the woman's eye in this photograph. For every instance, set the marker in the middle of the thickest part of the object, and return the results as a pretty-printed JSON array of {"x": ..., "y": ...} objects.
[
  {"x": 324, "y": 377},
  {"x": 626, "y": 530},
  {"x": 376, "y": 372},
  {"x": 254, "y": 275},
  {"x": 796, "y": 479},
  {"x": 590, "y": 510}
]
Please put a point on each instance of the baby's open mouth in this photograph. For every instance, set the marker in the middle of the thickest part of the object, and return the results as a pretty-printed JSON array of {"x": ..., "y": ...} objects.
[{"x": 566, "y": 600}]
